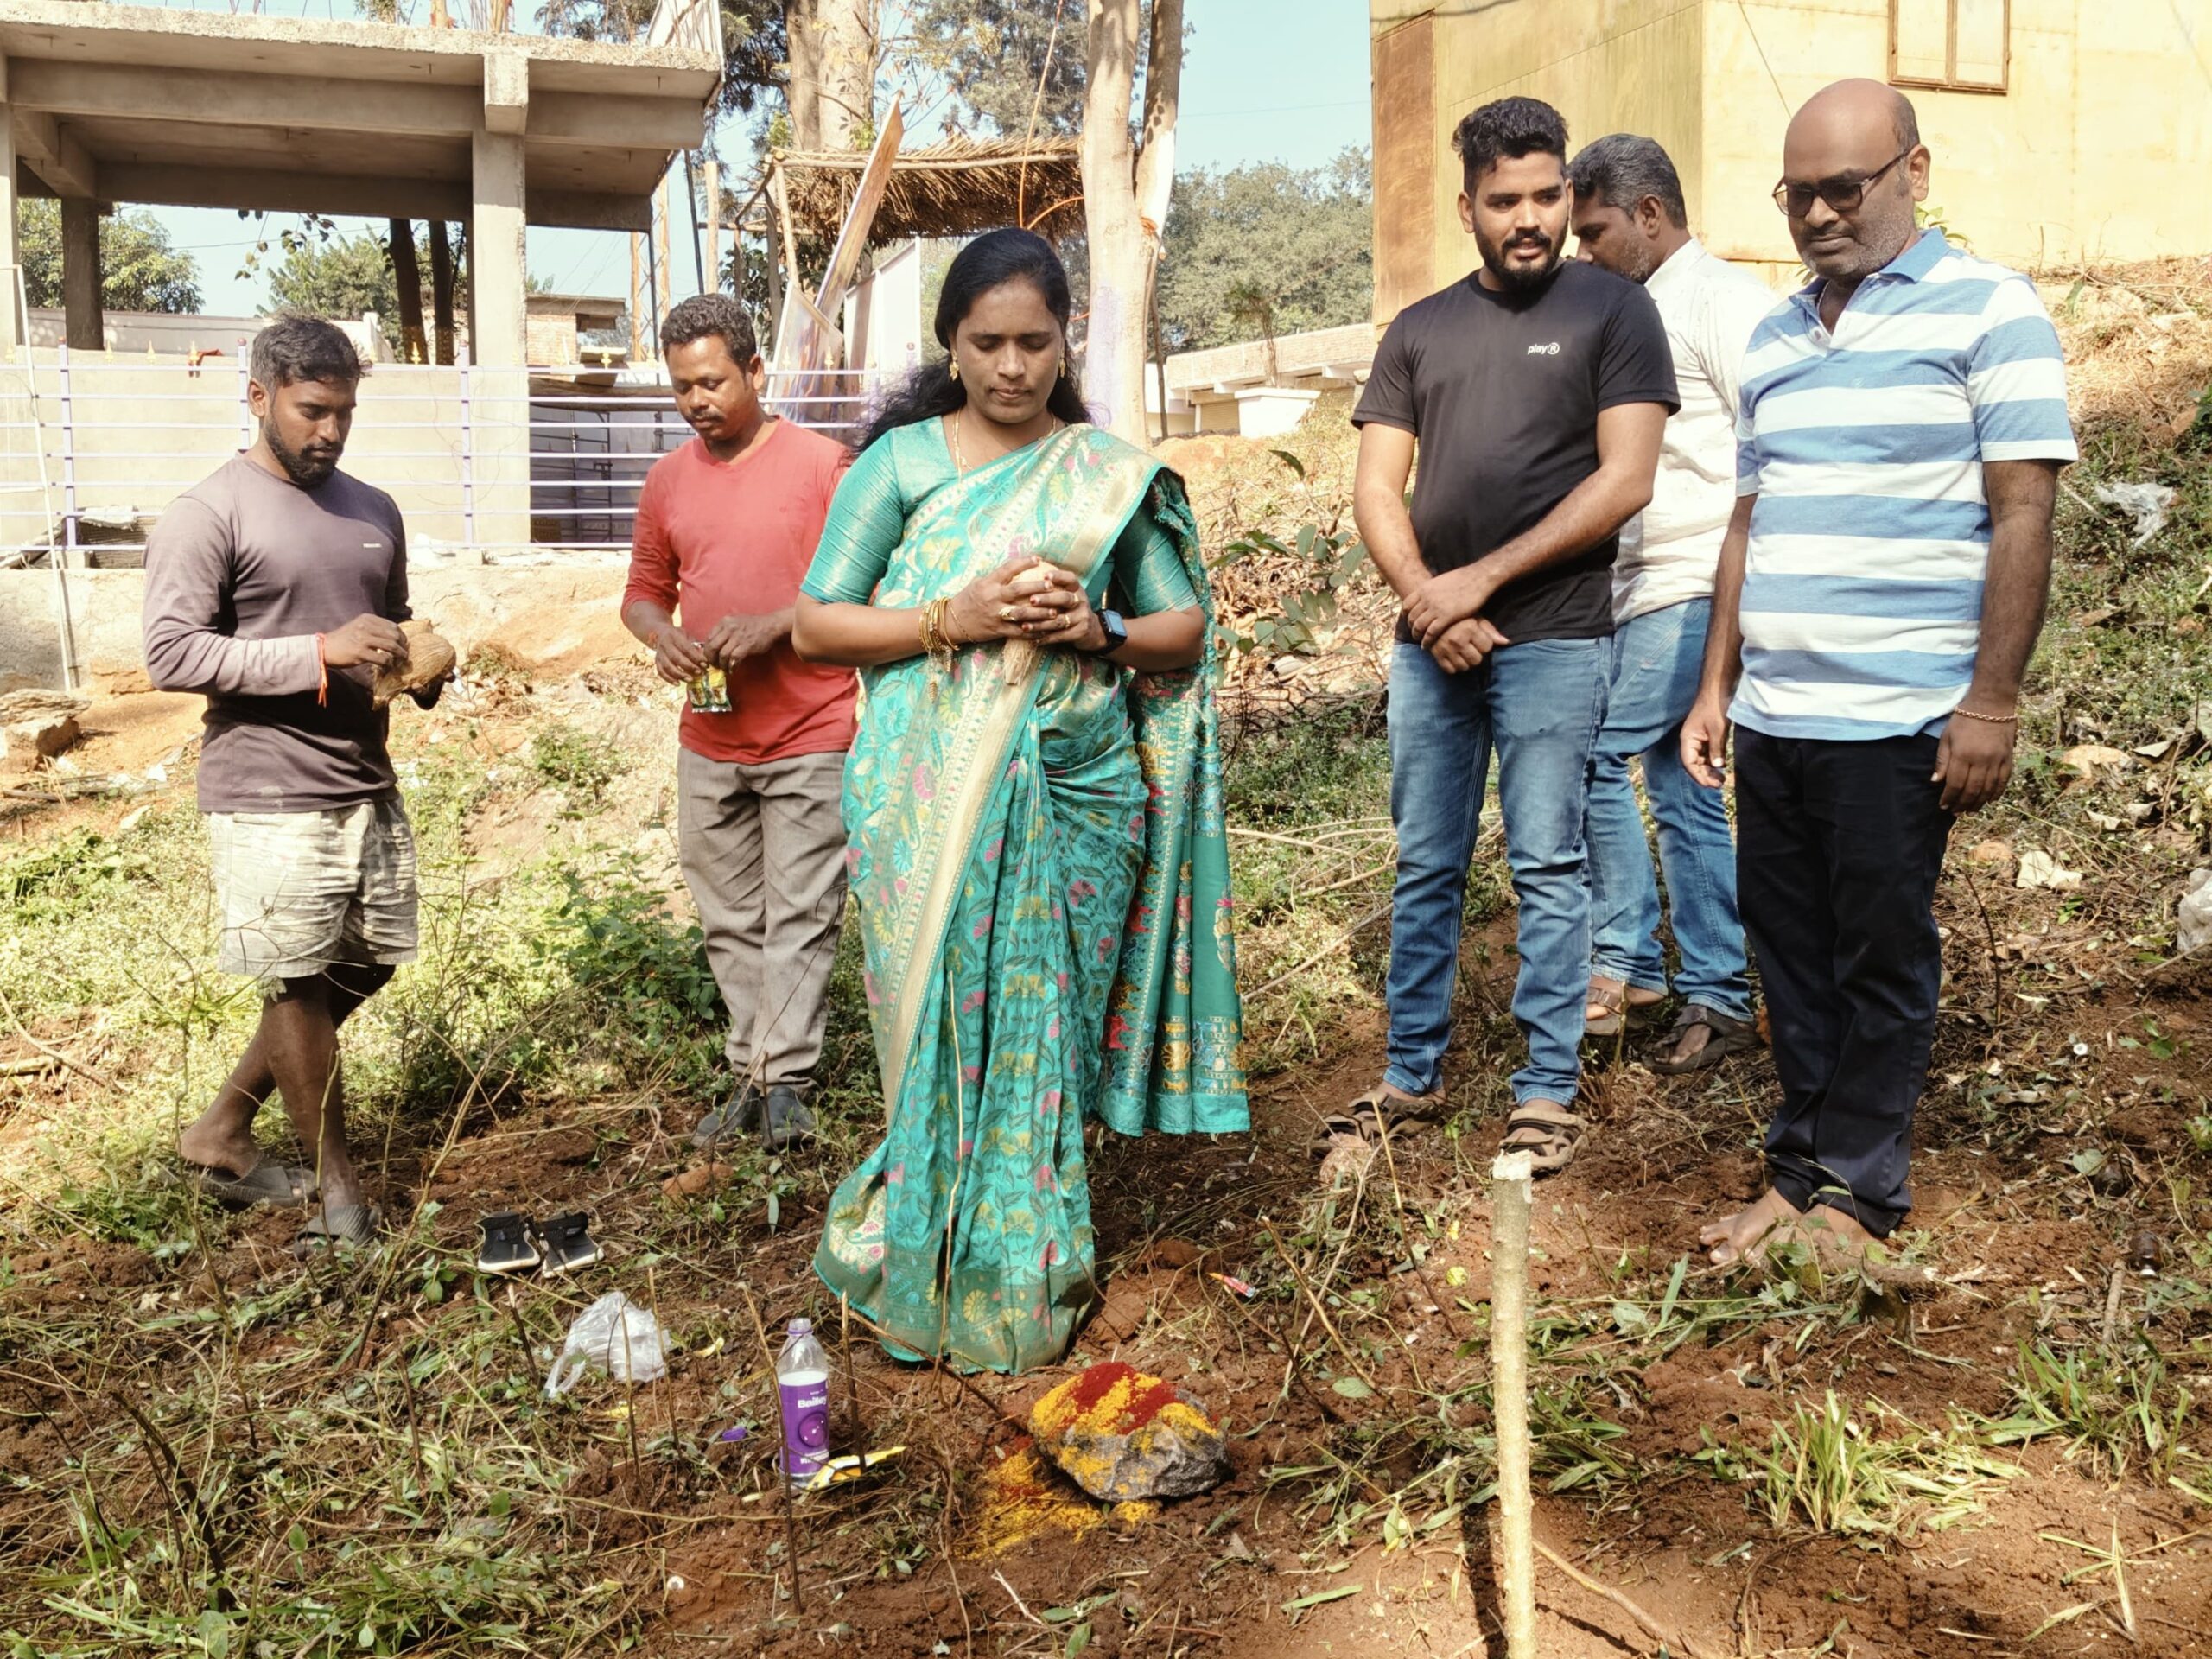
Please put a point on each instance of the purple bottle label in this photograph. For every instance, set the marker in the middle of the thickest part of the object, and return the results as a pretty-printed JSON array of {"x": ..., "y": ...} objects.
[{"x": 803, "y": 1398}]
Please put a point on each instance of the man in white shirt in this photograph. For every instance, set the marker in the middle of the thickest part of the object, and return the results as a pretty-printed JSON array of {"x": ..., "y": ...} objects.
[{"x": 1630, "y": 218}]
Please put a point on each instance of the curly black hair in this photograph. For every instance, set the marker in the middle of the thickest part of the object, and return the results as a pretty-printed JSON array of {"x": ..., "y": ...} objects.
[
  {"x": 1507, "y": 129},
  {"x": 992, "y": 259},
  {"x": 704, "y": 315}
]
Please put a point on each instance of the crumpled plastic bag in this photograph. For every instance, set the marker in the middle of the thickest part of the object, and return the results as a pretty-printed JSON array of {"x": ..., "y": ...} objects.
[
  {"x": 2195, "y": 913},
  {"x": 2147, "y": 504},
  {"x": 615, "y": 1335}
]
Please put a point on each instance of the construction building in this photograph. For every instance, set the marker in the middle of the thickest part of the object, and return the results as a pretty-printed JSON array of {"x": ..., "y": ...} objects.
[{"x": 2064, "y": 133}]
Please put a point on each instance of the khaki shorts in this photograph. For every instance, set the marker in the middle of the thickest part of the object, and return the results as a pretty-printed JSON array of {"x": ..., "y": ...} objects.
[{"x": 300, "y": 891}]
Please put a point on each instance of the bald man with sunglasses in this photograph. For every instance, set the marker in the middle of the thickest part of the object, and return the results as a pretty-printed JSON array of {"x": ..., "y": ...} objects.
[{"x": 1901, "y": 428}]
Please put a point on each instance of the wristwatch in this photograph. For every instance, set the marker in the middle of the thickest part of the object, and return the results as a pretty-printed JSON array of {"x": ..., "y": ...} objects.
[{"x": 1116, "y": 631}]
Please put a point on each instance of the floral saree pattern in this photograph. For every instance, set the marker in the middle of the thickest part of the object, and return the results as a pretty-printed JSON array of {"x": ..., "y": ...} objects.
[{"x": 1037, "y": 849}]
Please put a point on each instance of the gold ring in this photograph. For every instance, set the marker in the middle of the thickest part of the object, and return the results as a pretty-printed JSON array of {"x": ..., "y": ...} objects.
[{"x": 1006, "y": 612}]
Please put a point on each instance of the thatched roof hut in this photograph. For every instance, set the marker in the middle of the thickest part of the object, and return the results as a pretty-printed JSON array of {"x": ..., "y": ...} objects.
[{"x": 955, "y": 188}]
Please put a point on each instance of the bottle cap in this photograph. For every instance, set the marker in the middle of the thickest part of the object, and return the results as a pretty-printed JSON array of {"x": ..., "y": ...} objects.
[{"x": 800, "y": 1328}]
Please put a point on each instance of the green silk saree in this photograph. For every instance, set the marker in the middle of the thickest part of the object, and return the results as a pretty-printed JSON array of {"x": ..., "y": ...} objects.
[{"x": 1037, "y": 848}]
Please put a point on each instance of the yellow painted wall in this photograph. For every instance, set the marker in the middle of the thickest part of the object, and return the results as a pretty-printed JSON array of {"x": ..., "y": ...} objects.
[
  {"x": 2100, "y": 149},
  {"x": 1607, "y": 65}
]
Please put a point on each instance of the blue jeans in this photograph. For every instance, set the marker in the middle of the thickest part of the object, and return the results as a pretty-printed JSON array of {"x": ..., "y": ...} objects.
[
  {"x": 1539, "y": 706},
  {"x": 1656, "y": 661}
]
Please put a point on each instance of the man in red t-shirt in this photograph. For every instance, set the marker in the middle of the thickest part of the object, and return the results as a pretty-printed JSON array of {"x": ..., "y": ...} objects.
[{"x": 725, "y": 529}]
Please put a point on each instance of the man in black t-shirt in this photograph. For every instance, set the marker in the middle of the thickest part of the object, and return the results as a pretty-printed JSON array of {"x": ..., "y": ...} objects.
[{"x": 1537, "y": 392}]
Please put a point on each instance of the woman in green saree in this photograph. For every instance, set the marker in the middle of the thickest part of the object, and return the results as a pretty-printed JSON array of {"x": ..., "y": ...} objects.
[{"x": 1033, "y": 808}]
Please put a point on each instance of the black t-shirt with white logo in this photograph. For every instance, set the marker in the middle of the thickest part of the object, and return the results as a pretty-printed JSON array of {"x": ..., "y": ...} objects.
[{"x": 1502, "y": 391}]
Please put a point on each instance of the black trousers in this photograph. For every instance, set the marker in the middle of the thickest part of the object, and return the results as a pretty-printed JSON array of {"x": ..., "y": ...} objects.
[{"x": 1838, "y": 847}]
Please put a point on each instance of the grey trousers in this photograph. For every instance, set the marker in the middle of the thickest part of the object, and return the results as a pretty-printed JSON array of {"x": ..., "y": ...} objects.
[{"x": 763, "y": 850}]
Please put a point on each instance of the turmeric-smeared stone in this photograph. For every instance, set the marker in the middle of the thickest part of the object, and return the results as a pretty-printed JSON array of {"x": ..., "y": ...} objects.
[{"x": 1123, "y": 1436}]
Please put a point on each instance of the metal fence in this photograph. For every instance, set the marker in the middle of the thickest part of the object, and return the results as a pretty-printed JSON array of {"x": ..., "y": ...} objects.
[{"x": 495, "y": 462}]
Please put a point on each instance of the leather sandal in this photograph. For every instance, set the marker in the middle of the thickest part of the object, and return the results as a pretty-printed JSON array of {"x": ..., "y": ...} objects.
[
  {"x": 1728, "y": 1035},
  {"x": 1620, "y": 1009},
  {"x": 1376, "y": 1116},
  {"x": 1549, "y": 1131}
]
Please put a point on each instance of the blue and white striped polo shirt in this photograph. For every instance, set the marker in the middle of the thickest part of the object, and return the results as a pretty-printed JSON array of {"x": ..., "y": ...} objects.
[{"x": 1862, "y": 589}]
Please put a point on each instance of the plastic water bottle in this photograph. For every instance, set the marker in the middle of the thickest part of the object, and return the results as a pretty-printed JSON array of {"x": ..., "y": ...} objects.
[{"x": 802, "y": 1399}]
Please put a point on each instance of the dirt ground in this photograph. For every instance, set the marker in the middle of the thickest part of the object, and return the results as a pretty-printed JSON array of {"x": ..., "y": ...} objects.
[{"x": 2019, "y": 1244}]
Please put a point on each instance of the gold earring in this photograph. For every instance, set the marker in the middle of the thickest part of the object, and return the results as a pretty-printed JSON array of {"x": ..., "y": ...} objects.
[
  {"x": 952, "y": 366},
  {"x": 1064, "y": 365}
]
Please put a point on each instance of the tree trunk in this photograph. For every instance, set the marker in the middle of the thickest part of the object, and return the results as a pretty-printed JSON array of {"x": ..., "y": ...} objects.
[
  {"x": 441, "y": 290},
  {"x": 1125, "y": 189},
  {"x": 407, "y": 276},
  {"x": 835, "y": 46}
]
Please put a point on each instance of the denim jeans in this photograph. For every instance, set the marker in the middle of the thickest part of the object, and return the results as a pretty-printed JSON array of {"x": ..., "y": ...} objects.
[
  {"x": 1539, "y": 706},
  {"x": 1843, "y": 843},
  {"x": 1655, "y": 662}
]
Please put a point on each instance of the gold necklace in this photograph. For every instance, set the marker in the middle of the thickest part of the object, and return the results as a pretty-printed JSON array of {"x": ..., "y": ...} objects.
[{"x": 960, "y": 419}]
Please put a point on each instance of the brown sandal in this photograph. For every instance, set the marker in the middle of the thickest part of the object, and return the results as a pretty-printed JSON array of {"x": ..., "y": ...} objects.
[
  {"x": 1549, "y": 1133},
  {"x": 1619, "y": 1005},
  {"x": 1728, "y": 1036},
  {"x": 1375, "y": 1116}
]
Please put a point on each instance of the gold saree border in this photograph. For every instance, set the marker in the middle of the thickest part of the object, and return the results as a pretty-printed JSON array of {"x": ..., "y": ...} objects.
[{"x": 975, "y": 755}]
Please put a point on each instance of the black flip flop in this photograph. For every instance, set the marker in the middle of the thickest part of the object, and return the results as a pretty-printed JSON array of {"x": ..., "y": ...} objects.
[
  {"x": 567, "y": 1244},
  {"x": 283, "y": 1186},
  {"x": 506, "y": 1246},
  {"x": 350, "y": 1225}
]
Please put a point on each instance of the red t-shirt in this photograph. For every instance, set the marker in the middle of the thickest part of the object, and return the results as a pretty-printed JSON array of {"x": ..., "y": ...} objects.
[{"x": 715, "y": 538}]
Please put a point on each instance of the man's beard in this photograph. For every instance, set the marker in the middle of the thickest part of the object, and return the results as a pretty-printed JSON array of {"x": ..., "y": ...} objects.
[
  {"x": 1515, "y": 278},
  {"x": 305, "y": 469}
]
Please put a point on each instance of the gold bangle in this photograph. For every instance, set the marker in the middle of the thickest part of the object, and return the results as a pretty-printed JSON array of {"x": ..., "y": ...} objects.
[
  {"x": 935, "y": 641},
  {"x": 1994, "y": 720}
]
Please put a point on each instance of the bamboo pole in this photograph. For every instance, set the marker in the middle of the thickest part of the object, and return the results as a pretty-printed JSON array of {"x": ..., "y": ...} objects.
[
  {"x": 666, "y": 295},
  {"x": 636, "y": 296},
  {"x": 1512, "y": 1183}
]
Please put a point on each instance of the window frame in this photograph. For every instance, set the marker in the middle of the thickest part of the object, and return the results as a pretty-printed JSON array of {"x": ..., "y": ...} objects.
[{"x": 1948, "y": 81}]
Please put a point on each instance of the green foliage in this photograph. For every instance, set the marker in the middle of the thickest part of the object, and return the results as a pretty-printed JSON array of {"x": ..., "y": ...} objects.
[
  {"x": 345, "y": 279},
  {"x": 1265, "y": 250},
  {"x": 577, "y": 762},
  {"x": 56, "y": 880},
  {"x": 1824, "y": 1468},
  {"x": 992, "y": 54},
  {"x": 2111, "y": 1406},
  {"x": 139, "y": 270},
  {"x": 1325, "y": 561}
]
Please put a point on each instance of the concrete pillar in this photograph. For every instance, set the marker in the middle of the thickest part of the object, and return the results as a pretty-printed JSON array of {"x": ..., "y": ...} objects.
[
  {"x": 498, "y": 344},
  {"x": 83, "y": 325},
  {"x": 496, "y": 244},
  {"x": 11, "y": 323}
]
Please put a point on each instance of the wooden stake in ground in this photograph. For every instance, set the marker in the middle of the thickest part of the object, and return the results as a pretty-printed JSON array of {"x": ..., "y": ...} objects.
[{"x": 1512, "y": 1184}]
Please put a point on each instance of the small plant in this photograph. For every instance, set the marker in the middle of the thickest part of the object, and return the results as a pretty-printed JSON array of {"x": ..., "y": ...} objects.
[
  {"x": 1324, "y": 559},
  {"x": 2111, "y": 1406},
  {"x": 1823, "y": 1468},
  {"x": 577, "y": 762}
]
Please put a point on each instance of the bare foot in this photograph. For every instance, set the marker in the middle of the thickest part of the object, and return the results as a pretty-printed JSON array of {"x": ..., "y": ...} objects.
[
  {"x": 1831, "y": 1234},
  {"x": 207, "y": 1144}
]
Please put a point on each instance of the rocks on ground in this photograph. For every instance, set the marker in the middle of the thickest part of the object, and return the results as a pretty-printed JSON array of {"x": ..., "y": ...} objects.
[{"x": 36, "y": 725}]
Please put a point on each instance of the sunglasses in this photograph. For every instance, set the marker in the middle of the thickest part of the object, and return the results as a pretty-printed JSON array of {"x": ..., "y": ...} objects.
[{"x": 1842, "y": 193}]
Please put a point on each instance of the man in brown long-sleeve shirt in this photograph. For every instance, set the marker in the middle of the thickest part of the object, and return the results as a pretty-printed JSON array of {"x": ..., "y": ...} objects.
[{"x": 277, "y": 588}]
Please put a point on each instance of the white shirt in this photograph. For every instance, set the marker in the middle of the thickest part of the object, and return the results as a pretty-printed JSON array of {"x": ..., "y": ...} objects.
[{"x": 1670, "y": 551}]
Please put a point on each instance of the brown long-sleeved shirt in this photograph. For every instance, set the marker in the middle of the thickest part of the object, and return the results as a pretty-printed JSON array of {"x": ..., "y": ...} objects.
[{"x": 242, "y": 573}]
